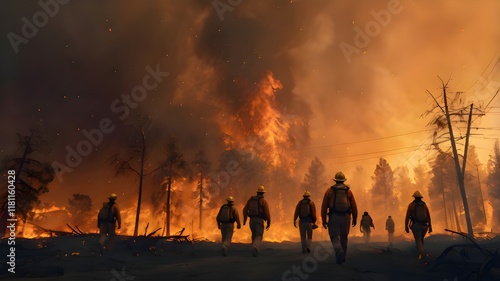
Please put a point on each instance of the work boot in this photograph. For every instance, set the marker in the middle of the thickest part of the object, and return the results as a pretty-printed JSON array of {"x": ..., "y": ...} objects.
[
  {"x": 340, "y": 255},
  {"x": 255, "y": 251},
  {"x": 224, "y": 250}
]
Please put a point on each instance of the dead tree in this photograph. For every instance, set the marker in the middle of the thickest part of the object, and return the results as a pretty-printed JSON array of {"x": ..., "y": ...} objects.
[{"x": 442, "y": 121}]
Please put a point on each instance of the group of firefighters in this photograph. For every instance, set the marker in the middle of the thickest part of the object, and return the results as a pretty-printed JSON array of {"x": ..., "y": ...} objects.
[{"x": 338, "y": 212}]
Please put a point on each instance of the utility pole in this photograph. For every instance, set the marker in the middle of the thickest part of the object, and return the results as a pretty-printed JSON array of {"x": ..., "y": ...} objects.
[{"x": 460, "y": 174}]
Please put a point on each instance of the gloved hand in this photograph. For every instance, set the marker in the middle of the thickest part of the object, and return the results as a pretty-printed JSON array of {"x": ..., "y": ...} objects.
[
  {"x": 238, "y": 226},
  {"x": 268, "y": 226},
  {"x": 361, "y": 229},
  {"x": 295, "y": 224},
  {"x": 407, "y": 229},
  {"x": 325, "y": 225},
  {"x": 353, "y": 223},
  {"x": 430, "y": 229},
  {"x": 119, "y": 226},
  {"x": 245, "y": 222},
  {"x": 218, "y": 225}
]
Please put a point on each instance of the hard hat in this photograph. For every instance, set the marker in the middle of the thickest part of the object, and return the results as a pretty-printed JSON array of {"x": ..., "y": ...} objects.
[
  {"x": 307, "y": 193},
  {"x": 339, "y": 177},
  {"x": 113, "y": 196},
  {"x": 417, "y": 194},
  {"x": 261, "y": 189},
  {"x": 365, "y": 213},
  {"x": 230, "y": 199}
]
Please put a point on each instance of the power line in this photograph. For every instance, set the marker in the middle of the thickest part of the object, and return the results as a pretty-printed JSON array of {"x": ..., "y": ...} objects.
[
  {"x": 369, "y": 158},
  {"x": 382, "y": 151},
  {"x": 369, "y": 140}
]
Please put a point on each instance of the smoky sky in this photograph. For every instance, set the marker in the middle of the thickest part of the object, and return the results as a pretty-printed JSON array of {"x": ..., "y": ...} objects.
[{"x": 67, "y": 76}]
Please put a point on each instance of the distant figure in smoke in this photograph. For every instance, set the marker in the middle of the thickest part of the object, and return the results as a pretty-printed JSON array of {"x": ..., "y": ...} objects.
[
  {"x": 418, "y": 219},
  {"x": 365, "y": 226},
  {"x": 107, "y": 218},
  {"x": 339, "y": 205},
  {"x": 389, "y": 226},
  {"x": 258, "y": 211},
  {"x": 306, "y": 211},
  {"x": 225, "y": 222}
]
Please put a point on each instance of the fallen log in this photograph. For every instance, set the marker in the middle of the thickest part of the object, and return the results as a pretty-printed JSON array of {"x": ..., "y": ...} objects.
[
  {"x": 74, "y": 231},
  {"x": 81, "y": 232},
  {"x": 153, "y": 232}
]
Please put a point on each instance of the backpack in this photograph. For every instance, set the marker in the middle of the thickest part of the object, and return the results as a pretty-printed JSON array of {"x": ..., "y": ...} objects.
[
  {"x": 366, "y": 221},
  {"x": 254, "y": 207},
  {"x": 225, "y": 213},
  {"x": 339, "y": 203},
  {"x": 420, "y": 213},
  {"x": 105, "y": 213},
  {"x": 305, "y": 209}
]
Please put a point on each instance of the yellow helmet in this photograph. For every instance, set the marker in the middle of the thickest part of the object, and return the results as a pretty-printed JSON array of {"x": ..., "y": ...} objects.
[
  {"x": 261, "y": 189},
  {"x": 113, "y": 196},
  {"x": 340, "y": 177},
  {"x": 307, "y": 194},
  {"x": 417, "y": 194},
  {"x": 230, "y": 199}
]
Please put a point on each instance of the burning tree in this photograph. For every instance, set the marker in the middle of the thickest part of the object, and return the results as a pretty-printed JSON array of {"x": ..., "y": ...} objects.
[
  {"x": 31, "y": 179},
  {"x": 126, "y": 165},
  {"x": 202, "y": 168},
  {"x": 421, "y": 178},
  {"x": 79, "y": 207},
  {"x": 403, "y": 186},
  {"x": 172, "y": 168},
  {"x": 442, "y": 191},
  {"x": 315, "y": 179},
  {"x": 383, "y": 186},
  {"x": 473, "y": 186},
  {"x": 493, "y": 181}
]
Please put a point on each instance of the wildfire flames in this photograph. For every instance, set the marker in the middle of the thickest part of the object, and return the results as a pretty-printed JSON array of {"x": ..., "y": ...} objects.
[{"x": 260, "y": 131}]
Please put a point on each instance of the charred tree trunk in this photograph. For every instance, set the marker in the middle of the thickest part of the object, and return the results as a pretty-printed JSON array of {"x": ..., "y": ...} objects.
[
  {"x": 141, "y": 176},
  {"x": 201, "y": 200},
  {"x": 169, "y": 190}
]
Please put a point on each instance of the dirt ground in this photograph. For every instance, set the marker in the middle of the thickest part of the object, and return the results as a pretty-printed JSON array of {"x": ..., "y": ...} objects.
[{"x": 140, "y": 258}]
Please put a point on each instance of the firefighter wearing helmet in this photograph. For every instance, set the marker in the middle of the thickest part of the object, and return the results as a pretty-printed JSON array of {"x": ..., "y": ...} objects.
[
  {"x": 258, "y": 210},
  {"x": 337, "y": 209},
  {"x": 418, "y": 219},
  {"x": 226, "y": 218},
  {"x": 108, "y": 217},
  {"x": 306, "y": 211}
]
